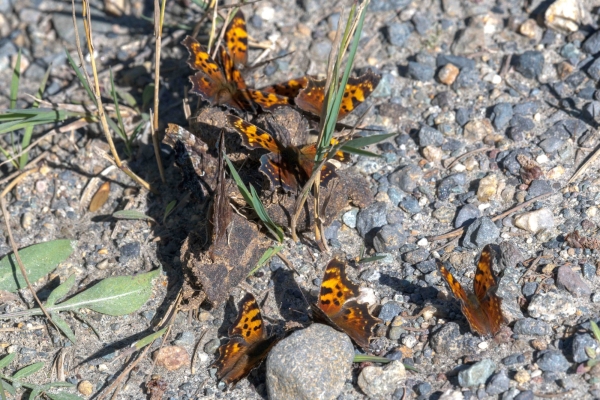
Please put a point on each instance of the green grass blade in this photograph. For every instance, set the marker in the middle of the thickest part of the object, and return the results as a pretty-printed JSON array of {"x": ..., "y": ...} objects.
[
  {"x": 63, "y": 396},
  {"x": 360, "y": 152},
  {"x": 595, "y": 330},
  {"x": 342, "y": 84},
  {"x": 29, "y": 130},
  {"x": 140, "y": 344},
  {"x": 9, "y": 157},
  {"x": 81, "y": 78},
  {"x": 371, "y": 259},
  {"x": 367, "y": 358},
  {"x": 14, "y": 83},
  {"x": 169, "y": 209},
  {"x": 368, "y": 140},
  {"x": 64, "y": 327},
  {"x": 267, "y": 255},
  {"x": 123, "y": 133},
  {"x": 253, "y": 201},
  {"x": 132, "y": 214}
]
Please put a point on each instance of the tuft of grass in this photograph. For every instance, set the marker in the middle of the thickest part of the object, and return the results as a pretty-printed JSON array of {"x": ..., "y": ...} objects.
[
  {"x": 253, "y": 201},
  {"x": 267, "y": 255}
]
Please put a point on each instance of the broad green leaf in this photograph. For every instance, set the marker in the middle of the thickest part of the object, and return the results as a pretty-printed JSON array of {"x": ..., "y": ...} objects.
[
  {"x": 39, "y": 260},
  {"x": 132, "y": 214},
  {"x": 591, "y": 352},
  {"x": 8, "y": 387},
  {"x": 149, "y": 339},
  {"x": 28, "y": 370},
  {"x": 368, "y": 140},
  {"x": 118, "y": 295},
  {"x": 64, "y": 327},
  {"x": 63, "y": 396},
  {"x": 169, "y": 209},
  {"x": 5, "y": 361},
  {"x": 61, "y": 291}
]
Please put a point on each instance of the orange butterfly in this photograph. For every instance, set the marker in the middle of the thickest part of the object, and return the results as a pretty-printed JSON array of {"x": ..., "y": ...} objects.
[
  {"x": 223, "y": 84},
  {"x": 248, "y": 343},
  {"x": 309, "y": 93},
  {"x": 337, "y": 305},
  {"x": 483, "y": 307},
  {"x": 285, "y": 165}
]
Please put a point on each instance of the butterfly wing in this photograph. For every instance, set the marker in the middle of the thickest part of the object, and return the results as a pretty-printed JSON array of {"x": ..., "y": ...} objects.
[
  {"x": 231, "y": 72},
  {"x": 254, "y": 137},
  {"x": 289, "y": 88},
  {"x": 268, "y": 101},
  {"x": 221, "y": 210},
  {"x": 484, "y": 286},
  {"x": 245, "y": 334},
  {"x": 236, "y": 39},
  {"x": 311, "y": 98},
  {"x": 280, "y": 172},
  {"x": 470, "y": 309},
  {"x": 307, "y": 163},
  {"x": 347, "y": 315}
]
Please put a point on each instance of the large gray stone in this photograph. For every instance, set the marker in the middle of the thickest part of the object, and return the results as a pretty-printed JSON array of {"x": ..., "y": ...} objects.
[{"x": 312, "y": 363}]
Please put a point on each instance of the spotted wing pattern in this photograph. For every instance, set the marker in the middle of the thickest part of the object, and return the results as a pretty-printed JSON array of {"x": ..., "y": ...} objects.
[
  {"x": 483, "y": 308},
  {"x": 287, "y": 167},
  {"x": 338, "y": 307},
  {"x": 248, "y": 343},
  {"x": 311, "y": 98},
  {"x": 289, "y": 89},
  {"x": 236, "y": 40}
]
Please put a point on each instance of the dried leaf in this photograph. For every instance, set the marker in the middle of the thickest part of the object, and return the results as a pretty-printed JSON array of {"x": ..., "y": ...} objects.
[{"x": 100, "y": 197}]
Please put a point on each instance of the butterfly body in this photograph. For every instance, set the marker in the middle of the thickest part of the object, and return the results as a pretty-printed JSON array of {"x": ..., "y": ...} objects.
[
  {"x": 338, "y": 307},
  {"x": 286, "y": 166},
  {"x": 248, "y": 343},
  {"x": 482, "y": 308}
]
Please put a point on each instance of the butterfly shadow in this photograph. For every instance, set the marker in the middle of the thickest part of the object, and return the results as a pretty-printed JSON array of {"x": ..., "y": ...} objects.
[
  {"x": 293, "y": 302},
  {"x": 418, "y": 294}
]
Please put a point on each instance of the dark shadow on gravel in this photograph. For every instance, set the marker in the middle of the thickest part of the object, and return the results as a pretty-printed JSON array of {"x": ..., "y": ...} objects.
[
  {"x": 418, "y": 294},
  {"x": 289, "y": 297}
]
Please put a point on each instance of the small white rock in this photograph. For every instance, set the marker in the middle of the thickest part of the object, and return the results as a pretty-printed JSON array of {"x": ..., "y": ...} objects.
[
  {"x": 535, "y": 221},
  {"x": 423, "y": 242}
]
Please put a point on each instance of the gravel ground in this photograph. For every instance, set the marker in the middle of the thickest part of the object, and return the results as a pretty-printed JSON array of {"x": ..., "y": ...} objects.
[{"x": 494, "y": 103}]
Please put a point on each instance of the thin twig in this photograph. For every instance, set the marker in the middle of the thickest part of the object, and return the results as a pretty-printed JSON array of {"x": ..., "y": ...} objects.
[
  {"x": 30, "y": 165},
  {"x": 221, "y": 34},
  {"x": 18, "y": 179},
  {"x": 469, "y": 153},
  {"x": 13, "y": 244},
  {"x": 585, "y": 165},
  {"x": 460, "y": 231},
  {"x": 215, "y": 6},
  {"x": 159, "y": 17}
]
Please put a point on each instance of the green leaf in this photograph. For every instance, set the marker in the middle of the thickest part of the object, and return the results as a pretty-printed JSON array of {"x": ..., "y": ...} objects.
[
  {"x": 29, "y": 130},
  {"x": 360, "y": 152},
  {"x": 251, "y": 198},
  {"x": 371, "y": 259},
  {"x": 28, "y": 370},
  {"x": 81, "y": 78},
  {"x": 34, "y": 393},
  {"x": 595, "y": 330},
  {"x": 169, "y": 209},
  {"x": 368, "y": 140},
  {"x": 140, "y": 344},
  {"x": 115, "y": 296},
  {"x": 39, "y": 260},
  {"x": 63, "y": 396},
  {"x": 59, "y": 384},
  {"x": 14, "y": 83},
  {"x": 8, "y": 387},
  {"x": 61, "y": 291},
  {"x": 591, "y": 352},
  {"x": 132, "y": 214},
  {"x": 64, "y": 327},
  {"x": 367, "y": 358},
  {"x": 5, "y": 361},
  {"x": 147, "y": 95},
  {"x": 267, "y": 255}
]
